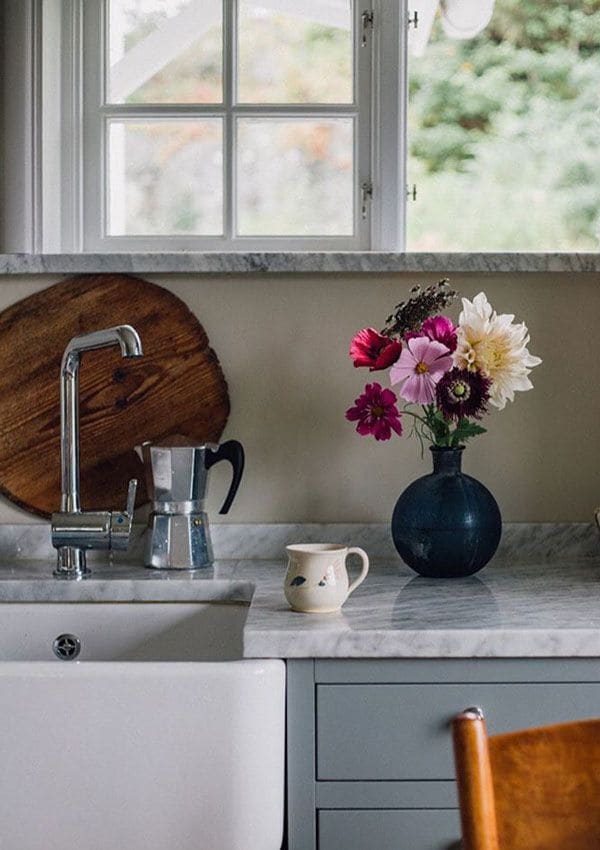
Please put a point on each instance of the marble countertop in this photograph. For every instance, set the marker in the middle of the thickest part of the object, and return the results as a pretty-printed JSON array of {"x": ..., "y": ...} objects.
[
  {"x": 508, "y": 611},
  {"x": 537, "y": 609},
  {"x": 303, "y": 262}
]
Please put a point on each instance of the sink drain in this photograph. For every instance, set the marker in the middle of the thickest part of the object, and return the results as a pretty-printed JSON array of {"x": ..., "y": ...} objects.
[{"x": 66, "y": 647}]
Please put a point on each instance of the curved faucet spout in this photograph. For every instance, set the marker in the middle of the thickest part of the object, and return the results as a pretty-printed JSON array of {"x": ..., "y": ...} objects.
[
  {"x": 129, "y": 340},
  {"x": 125, "y": 336},
  {"x": 130, "y": 344}
]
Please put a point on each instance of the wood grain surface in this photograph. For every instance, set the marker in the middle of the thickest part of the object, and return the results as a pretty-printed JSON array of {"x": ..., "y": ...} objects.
[
  {"x": 534, "y": 789},
  {"x": 176, "y": 390}
]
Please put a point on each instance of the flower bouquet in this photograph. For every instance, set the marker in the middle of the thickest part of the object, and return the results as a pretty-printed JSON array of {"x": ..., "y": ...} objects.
[{"x": 446, "y": 523}]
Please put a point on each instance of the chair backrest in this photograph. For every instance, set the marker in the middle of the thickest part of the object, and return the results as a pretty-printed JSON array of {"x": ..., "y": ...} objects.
[{"x": 536, "y": 789}]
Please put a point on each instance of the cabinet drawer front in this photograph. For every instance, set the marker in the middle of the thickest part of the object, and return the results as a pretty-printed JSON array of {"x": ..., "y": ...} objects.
[
  {"x": 434, "y": 829},
  {"x": 397, "y": 732}
]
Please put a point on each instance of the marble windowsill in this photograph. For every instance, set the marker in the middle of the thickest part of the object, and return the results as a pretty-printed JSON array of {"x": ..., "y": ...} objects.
[{"x": 310, "y": 262}]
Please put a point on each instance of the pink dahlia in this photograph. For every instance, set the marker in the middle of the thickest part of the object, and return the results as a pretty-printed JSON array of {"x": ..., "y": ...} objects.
[
  {"x": 372, "y": 349},
  {"x": 439, "y": 329},
  {"x": 376, "y": 413},
  {"x": 421, "y": 365}
]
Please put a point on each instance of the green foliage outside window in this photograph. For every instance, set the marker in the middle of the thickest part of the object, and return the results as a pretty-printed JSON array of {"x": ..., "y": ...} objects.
[{"x": 504, "y": 135}]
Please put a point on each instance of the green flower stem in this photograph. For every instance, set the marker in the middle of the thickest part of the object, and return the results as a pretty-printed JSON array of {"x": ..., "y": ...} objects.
[
  {"x": 415, "y": 416},
  {"x": 423, "y": 421},
  {"x": 438, "y": 431},
  {"x": 438, "y": 426}
]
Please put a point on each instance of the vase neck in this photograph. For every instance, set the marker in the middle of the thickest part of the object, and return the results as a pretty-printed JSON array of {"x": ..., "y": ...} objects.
[{"x": 447, "y": 460}]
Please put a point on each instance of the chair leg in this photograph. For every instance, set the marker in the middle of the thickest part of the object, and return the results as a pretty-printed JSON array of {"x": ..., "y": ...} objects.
[{"x": 474, "y": 780}]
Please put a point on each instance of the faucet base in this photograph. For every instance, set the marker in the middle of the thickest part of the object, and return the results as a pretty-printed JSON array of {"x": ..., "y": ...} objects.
[{"x": 71, "y": 563}]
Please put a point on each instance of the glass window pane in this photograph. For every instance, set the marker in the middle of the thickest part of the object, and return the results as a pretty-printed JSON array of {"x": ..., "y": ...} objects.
[
  {"x": 504, "y": 123},
  {"x": 165, "y": 51},
  {"x": 165, "y": 178},
  {"x": 295, "y": 52},
  {"x": 295, "y": 177}
]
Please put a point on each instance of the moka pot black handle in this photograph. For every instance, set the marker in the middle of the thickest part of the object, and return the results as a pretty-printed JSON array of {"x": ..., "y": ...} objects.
[{"x": 234, "y": 453}]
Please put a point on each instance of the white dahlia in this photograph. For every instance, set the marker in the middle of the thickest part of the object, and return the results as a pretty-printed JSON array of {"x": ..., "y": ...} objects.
[{"x": 496, "y": 347}]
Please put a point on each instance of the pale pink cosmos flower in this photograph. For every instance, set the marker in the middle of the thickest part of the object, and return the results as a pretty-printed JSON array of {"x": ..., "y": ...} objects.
[{"x": 422, "y": 363}]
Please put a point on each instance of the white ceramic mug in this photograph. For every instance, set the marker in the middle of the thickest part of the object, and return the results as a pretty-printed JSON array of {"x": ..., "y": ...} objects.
[{"x": 316, "y": 581}]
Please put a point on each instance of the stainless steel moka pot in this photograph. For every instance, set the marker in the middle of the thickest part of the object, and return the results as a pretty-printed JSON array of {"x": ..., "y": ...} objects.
[{"x": 178, "y": 535}]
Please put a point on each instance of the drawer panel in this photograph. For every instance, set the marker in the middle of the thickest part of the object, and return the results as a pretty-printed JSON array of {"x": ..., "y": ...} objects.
[
  {"x": 400, "y": 732},
  {"x": 386, "y": 671},
  {"x": 434, "y": 829},
  {"x": 418, "y": 794}
]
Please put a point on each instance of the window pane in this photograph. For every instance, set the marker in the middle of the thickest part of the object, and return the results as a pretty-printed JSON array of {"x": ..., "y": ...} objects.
[
  {"x": 295, "y": 52},
  {"x": 165, "y": 178},
  {"x": 504, "y": 127},
  {"x": 165, "y": 51},
  {"x": 295, "y": 177}
]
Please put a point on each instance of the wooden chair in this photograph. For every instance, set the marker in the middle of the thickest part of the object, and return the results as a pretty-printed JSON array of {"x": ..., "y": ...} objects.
[{"x": 536, "y": 789}]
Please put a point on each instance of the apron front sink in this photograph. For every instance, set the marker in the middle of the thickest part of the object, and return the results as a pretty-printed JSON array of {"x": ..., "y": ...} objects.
[{"x": 138, "y": 725}]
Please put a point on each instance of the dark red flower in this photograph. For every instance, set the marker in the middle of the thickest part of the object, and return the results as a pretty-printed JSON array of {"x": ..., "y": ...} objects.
[
  {"x": 372, "y": 349},
  {"x": 376, "y": 413},
  {"x": 461, "y": 393}
]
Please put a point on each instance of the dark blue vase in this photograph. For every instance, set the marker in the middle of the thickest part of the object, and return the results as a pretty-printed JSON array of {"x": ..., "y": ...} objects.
[{"x": 446, "y": 524}]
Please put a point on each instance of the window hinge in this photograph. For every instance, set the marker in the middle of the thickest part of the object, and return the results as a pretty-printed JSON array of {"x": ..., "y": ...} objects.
[
  {"x": 411, "y": 192},
  {"x": 366, "y": 193},
  {"x": 368, "y": 22},
  {"x": 413, "y": 20}
]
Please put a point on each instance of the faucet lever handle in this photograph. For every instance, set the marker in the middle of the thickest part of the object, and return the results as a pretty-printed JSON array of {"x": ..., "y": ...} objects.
[
  {"x": 131, "y": 491},
  {"x": 121, "y": 522}
]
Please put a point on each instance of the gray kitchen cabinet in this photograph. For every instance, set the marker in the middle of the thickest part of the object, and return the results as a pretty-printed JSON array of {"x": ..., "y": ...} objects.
[
  {"x": 388, "y": 829},
  {"x": 369, "y": 748}
]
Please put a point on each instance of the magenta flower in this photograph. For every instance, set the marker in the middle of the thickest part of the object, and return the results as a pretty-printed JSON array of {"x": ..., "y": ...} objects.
[
  {"x": 461, "y": 393},
  {"x": 372, "y": 349},
  {"x": 376, "y": 413},
  {"x": 439, "y": 329},
  {"x": 421, "y": 365}
]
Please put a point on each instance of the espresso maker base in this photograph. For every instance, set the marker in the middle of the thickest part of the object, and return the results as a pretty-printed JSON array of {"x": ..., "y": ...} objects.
[{"x": 178, "y": 542}]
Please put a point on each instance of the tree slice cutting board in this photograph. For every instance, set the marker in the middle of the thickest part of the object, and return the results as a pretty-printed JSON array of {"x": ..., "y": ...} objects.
[{"x": 176, "y": 390}]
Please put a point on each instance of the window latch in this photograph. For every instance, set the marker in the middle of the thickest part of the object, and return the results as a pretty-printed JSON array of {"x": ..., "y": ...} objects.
[
  {"x": 366, "y": 194},
  {"x": 411, "y": 192},
  {"x": 368, "y": 21},
  {"x": 413, "y": 20}
]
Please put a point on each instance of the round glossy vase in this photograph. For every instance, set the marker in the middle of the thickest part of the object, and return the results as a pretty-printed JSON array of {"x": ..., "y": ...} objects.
[{"x": 446, "y": 524}]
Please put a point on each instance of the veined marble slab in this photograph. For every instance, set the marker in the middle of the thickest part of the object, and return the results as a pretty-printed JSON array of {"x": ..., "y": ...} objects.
[
  {"x": 550, "y": 609},
  {"x": 304, "y": 262},
  {"x": 545, "y": 610},
  {"x": 521, "y": 542},
  {"x": 539, "y": 597}
]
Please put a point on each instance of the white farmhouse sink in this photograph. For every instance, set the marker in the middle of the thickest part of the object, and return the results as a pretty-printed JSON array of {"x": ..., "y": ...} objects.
[
  {"x": 154, "y": 738},
  {"x": 123, "y": 631}
]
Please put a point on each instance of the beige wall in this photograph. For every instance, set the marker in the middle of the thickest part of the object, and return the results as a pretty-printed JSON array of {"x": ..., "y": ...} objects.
[{"x": 283, "y": 343}]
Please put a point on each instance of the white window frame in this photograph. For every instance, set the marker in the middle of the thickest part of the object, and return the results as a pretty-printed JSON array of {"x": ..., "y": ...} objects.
[{"x": 61, "y": 164}]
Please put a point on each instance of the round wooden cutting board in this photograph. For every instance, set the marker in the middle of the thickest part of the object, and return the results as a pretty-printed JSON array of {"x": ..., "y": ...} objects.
[{"x": 176, "y": 390}]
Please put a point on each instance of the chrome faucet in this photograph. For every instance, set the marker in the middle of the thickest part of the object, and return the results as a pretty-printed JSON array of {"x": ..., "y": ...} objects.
[{"x": 74, "y": 530}]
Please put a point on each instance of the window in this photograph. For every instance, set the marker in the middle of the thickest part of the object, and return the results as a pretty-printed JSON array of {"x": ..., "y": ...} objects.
[
  {"x": 427, "y": 125},
  {"x": 223, "y": 123},
  {"x": 208, "y": 124}
]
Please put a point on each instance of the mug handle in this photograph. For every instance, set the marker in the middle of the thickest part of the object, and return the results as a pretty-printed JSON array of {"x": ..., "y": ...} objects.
[{"x": 365, "y": 568}]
